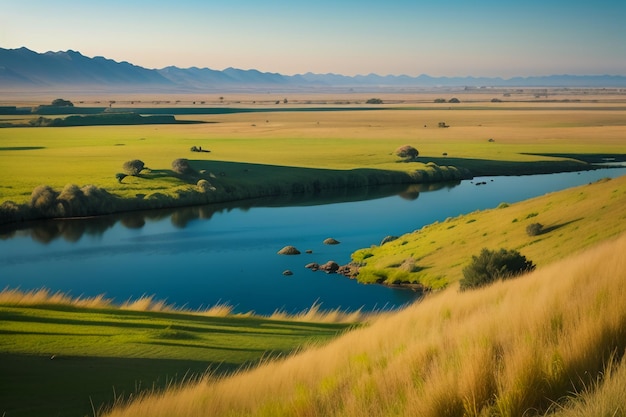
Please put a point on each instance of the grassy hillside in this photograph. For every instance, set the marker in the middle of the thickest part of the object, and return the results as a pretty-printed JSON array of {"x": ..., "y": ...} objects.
[
  {"x": 551, "y": 341},
  {"x": 436, "y": 255},
  {"x": 61, "y": 357}
]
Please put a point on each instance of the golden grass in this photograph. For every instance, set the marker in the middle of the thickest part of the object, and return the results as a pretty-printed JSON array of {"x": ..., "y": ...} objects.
[
  {"x": 43, "y": 296},
  {"x": 519, "y": 347}
]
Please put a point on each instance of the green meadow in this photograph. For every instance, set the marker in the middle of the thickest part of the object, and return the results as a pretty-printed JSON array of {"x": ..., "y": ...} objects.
[
  {"x": 272, "y": 153},
  {"x": 435, "y": 255},
  {"x": 65, "y": 359}
]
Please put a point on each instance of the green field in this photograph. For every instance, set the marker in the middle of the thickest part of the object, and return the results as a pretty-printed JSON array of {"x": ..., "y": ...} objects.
[
  {"x": 260, "y": 154},
  {"x": 60, "y": 360},
  {"x": 435, "y": 256}
]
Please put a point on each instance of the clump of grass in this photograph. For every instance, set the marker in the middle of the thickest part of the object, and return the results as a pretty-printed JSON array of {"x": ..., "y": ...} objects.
[{"x": 43, "y": 296}]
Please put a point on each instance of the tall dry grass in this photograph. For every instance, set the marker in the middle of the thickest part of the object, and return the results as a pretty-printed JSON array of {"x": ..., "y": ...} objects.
[
  {"x": 43, "y": 296},
  {"x": 521, "y": 347}
]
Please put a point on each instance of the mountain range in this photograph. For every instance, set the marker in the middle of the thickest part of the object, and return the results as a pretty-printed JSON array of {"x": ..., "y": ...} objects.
[{"x": 23, "y": 69}]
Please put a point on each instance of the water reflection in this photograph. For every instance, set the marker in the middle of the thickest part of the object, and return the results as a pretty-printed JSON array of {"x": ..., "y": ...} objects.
[{"x": 72, "y": 230}]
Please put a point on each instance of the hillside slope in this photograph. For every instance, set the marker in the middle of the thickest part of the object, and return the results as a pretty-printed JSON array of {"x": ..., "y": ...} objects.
[
  {"x": 435, "y": 255},
  {"x": 519, "y": 347}
]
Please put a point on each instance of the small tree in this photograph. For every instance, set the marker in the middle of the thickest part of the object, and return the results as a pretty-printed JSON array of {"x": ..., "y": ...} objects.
[
  {"x": 133, "y": 167},
  {"x": 407, "y": 152},
  {"x": 59, "y": 102},
  {"x": 181, "y": 166},
  {"x": 490, "y": 266}
]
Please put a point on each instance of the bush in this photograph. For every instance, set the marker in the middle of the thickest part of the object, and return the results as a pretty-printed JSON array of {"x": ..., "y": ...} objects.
[
  {"x": 44, "y": 199},
  {"x": 73, "y": 200},
  {"x": 534, "y": 229},
  {"x": 491, "y": 266},
  {"x": 120, "y": 176},
  {"x": 133, "y": 167},
  {"x": 407, "y": 152},
  {"x": 59, "y": 102},
  {"x": 181, "y": 166},
  {"x": 374, "y": 101},
  {"x": 204, "y": 186}
]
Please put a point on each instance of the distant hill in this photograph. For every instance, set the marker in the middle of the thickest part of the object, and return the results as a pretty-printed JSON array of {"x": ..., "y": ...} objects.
[{"x": 25, "y": 69}]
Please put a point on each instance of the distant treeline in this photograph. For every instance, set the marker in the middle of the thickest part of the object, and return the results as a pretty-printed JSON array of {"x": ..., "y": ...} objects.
[{"x": 105, "y": 119}]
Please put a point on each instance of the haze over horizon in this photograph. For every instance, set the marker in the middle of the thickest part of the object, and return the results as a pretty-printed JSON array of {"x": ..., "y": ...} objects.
[{"x": 484, "y": 38}]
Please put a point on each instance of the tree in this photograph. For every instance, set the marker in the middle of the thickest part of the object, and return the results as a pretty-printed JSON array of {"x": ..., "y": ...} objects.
[
  {"x": 491, "y": 266},
  {"x": 407, "y": 152},
  {"x": 454, "y": 100},
  {"x": 374, "y": 101},
  {"x": 133, "y": 167},
  {"x": 59, "y": 102}
]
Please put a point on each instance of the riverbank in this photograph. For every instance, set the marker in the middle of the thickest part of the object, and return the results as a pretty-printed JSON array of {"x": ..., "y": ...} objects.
[{"x": 568, "y": 221}]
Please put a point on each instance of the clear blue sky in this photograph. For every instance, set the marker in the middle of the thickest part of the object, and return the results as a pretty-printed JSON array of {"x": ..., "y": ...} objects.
[{"x": 435, "y": 37}]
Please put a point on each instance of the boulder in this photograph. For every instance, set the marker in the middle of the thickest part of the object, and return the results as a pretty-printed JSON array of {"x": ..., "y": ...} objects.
[
  {"x": 331, "y": 241},
  {"x": 287, "y": 272},
  {"x": 330, "y": 267},
  {"x": 289, "y": 250},
  {"x": 312, "y": 266}
]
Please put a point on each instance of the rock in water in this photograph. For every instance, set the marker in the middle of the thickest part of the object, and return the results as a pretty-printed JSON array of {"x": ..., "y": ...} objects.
[{"x": 289, "y": 250}]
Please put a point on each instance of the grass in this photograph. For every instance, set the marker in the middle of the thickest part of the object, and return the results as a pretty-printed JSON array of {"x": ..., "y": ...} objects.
[
  {"x": 572, "y": 220},
  {"x": 550, "y": 342},
  {"x": 297, "y": 141},
  {"x": 58, "y": 355}
]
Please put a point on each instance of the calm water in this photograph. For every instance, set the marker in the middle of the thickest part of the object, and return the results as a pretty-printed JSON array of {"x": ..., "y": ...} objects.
[{"x": 201, "y": 256}]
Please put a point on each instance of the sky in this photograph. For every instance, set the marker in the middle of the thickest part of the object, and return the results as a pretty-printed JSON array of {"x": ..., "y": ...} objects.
[{"x": 436, "y": 37}]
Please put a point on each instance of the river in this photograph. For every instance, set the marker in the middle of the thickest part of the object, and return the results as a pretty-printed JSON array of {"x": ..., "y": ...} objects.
[{"x": 201, "y": 256}]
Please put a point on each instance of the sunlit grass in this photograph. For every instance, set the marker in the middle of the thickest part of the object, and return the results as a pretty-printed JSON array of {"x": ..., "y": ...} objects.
[
  {"x": 65, "y": 350},
  {"x": 520, "y": 347},
  {"x": 322, "y": 140},
  {"x": 572, "y": 220}
]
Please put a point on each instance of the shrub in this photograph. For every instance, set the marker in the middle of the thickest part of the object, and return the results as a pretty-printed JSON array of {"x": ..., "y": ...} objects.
[
  {"x": 133, "y": 167},
  {"x": 44, "y": 199},
  {"x": 59, "y": 102},
  {"x": 374, "y": 101},
  {"x": 534, "y": 229},
  {"x": 490, "y": 266},
  {"x": 181, "y": 166},
  {"x": 73, "y": 200},
  {"x": 120, "y": 176},
  {"x": 204, "y": 186},
  {"x": 440, "y": 100},
  {"x": 407, "y": 152}
]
